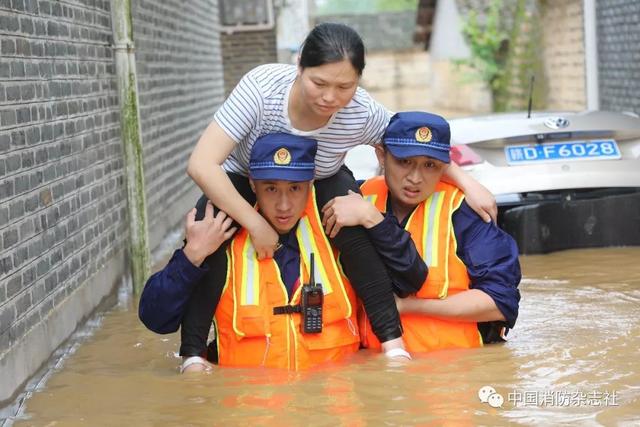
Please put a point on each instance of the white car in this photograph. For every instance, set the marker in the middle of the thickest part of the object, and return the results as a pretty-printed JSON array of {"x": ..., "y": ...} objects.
[{"x": 552, "y": 154}]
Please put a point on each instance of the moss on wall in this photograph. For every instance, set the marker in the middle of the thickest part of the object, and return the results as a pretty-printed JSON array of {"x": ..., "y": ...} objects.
[
  {"x": 525, "y": 59},
  {"x": 507, "y": 67}
]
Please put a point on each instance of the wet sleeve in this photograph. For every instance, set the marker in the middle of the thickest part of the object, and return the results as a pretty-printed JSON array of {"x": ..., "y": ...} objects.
[
  {"x": 491, "y": 257},
  {"x": 241, "y": 111},
  {"x": 398, "y": 252},
  {"x": 166, "y": 293}
]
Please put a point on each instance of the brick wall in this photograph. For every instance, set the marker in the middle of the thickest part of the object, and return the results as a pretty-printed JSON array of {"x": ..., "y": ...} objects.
[
  {"x": 381, "y": 31},
  {"x": 564, "y": 58},
  {"x": 244, "y": 50},
  {"x": 63, "y": 225},
  {"x": 618, "y": 35},
  {"x": 62, "y": 199},
  {"x": 398, "y": 80},
  {"x": 548, "y": 42},
  {"x": 179, "y": 80}
]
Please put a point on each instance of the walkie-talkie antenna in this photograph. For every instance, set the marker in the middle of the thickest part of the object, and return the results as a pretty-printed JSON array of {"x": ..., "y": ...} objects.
[{"x": 312, "y": 274}]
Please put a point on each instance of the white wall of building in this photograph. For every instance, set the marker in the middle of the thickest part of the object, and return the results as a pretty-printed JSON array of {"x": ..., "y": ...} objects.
[{"x": 293, "y": 25}]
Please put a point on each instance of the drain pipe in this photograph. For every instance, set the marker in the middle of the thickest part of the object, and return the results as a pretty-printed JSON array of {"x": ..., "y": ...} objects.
[
  {"x": 122, "y": 24},
  {"x": 591, "y": 54}
]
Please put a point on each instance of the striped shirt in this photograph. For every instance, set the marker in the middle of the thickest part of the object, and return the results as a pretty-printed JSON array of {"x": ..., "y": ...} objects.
[{"x": 258, "y": 105}]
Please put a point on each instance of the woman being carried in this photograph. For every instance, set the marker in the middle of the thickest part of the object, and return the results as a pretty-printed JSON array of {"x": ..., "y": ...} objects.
[{"x": 319, "y": 98}]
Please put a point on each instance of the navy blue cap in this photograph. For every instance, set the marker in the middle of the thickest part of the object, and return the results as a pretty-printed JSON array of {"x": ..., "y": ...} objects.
[
  {"x": 414, "y": 133},
  {"x": 283, "y": 157}
]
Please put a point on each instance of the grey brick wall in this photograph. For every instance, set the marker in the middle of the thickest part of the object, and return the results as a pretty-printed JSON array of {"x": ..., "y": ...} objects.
[
  {"x": 63, "y": 213},
  {"x": 62, "y": 203},
  {"x": 618, "y": 34},
  {"x": 381, "y": 31},
  {"x": 180, "y": 87},
  {"x": 242, "y": 51}
]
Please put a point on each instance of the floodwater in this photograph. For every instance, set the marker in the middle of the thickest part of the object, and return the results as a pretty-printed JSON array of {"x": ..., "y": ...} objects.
[{"x": 571, "y": 360}]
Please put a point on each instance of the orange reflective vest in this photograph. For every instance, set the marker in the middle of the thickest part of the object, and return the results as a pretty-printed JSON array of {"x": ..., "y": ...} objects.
[
  {"x": 431, "y": 230},
  {"x": 249, "y": 334}
]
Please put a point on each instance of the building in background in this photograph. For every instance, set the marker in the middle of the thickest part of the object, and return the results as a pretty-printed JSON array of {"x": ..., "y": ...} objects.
[
  {"x": 452, "y": 91},
  {"x": 294, "y": 21},
  {"x": 248, "y": 37},
  {"x": 63, "y": 195},
  {"x": 63, "y": 204},
  {"x": 397, "y": 70},
  {"x": 617, "y": 37},
  {"x": 583, "y": 53}
]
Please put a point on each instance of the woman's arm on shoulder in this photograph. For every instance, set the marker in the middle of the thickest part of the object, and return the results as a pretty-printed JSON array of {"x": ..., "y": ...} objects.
[
  {"x": 205, "y": 168},
  {"x": 477, "y": 195},
  {"x": 234, "y": 120}
]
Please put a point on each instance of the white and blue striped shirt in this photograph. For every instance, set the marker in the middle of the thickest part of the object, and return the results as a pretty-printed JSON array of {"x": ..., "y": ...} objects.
[{"x": 258, "y": 105}]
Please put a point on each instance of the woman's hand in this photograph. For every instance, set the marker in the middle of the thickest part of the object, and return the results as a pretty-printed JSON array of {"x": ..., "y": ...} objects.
[
  {"x": 264, "y": 238},
  {"x": 347, "y": 211}
]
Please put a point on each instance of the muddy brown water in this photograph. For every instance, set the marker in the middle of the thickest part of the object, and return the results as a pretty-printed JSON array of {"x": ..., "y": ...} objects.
[{"x": 573, "y": 359}]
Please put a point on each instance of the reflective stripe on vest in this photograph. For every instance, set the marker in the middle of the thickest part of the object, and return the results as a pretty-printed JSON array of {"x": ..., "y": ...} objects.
[
  {"x": 249, "y": 334},
  {"x": 248, "y": 275},
  {"x": 431, "y": 229}
]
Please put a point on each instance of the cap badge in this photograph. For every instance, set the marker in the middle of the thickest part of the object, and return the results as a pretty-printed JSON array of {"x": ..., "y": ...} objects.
[
  {"x": 423, "y": 134},
  {"x": 282, "y": 157}
]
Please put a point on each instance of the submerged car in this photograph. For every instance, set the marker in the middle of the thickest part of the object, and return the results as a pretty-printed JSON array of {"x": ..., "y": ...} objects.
[{"x": 561, "y": 179}]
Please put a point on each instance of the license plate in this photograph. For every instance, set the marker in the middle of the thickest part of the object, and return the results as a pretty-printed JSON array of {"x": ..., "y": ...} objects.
[{"x": 562, "y": 151}]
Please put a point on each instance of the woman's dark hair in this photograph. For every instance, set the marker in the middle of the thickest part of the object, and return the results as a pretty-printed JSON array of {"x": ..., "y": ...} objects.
[{"x": 328, "y": 43}]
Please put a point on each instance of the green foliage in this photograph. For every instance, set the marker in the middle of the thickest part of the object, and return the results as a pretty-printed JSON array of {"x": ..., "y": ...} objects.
[
  {"x": 488, "y": 42},
  {"x": 504, "y": 41},
  {"x": 357, "y": 7},
  {"x": 526, "y": 62}
]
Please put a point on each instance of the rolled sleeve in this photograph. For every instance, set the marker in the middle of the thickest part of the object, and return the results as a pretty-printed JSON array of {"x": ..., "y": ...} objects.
[
  {"x": 491, "y": 257},
  {"x": 166, "y": 293}
]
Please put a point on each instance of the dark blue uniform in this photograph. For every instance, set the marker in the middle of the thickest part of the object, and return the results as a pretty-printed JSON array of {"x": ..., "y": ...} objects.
[
  {"x": 491, "y": 257},
  {"x": 167, "y": 292}
]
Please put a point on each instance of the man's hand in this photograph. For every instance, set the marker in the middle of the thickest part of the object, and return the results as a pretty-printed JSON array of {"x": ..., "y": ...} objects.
[
  {"x": 205, "y": 237},
  {"x": 349, "y": 210}
]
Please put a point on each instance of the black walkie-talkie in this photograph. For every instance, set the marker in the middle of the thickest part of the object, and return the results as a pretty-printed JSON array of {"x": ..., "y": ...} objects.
[{"x": 311, "y": 303}]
